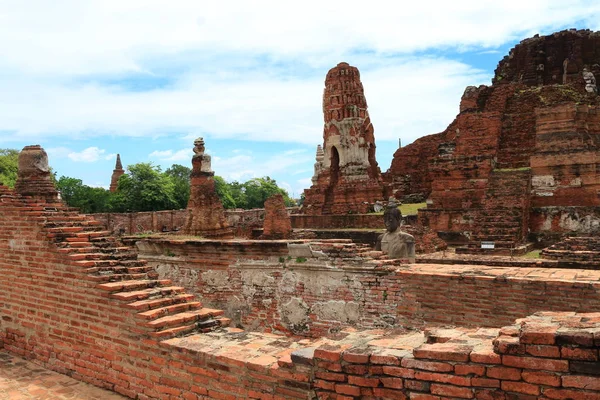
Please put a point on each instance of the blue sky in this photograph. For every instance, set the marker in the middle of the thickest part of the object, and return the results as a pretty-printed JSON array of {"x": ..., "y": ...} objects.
[{"x": 89, "y": 79}]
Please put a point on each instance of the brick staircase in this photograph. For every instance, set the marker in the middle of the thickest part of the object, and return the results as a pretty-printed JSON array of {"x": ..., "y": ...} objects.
[
  {"x": 504, "y": 218},
  {"x": 161, "y": 310},
  {"x": 575, "y": 249}
]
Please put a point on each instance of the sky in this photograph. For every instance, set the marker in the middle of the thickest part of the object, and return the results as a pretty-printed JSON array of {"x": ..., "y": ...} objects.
[{"x": 89, "y": 79}]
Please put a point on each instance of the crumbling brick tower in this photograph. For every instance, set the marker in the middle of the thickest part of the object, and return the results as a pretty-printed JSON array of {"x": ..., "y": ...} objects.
[
  {"x": 528, "y": 145},
  {"x": 117, "y": 173},
  {"x": 206, "y": 216},
  {"x": 347, "y": 177}
]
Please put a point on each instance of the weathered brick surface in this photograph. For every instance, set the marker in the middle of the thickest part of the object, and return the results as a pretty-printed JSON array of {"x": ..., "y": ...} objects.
[
  {"x": 529, "y": 140},
  {"x": 277, "y": 224}
]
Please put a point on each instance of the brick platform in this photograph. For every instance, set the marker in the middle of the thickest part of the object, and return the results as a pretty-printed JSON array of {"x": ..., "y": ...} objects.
[{"x": 21, "y": 379}]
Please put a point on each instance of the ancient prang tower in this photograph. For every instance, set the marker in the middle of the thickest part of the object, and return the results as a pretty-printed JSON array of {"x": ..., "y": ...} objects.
[
  {"x": 206, "y": 216},
  {"x": 117, "y": 173},
  {"x": 347, "y": 178}
]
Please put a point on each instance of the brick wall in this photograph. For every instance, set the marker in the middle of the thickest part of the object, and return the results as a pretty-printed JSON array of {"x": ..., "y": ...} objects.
[
  {"x": 60, "y": 308},
  {"x": 261, "y": 287},
  {"x": 300, "y": 221}
]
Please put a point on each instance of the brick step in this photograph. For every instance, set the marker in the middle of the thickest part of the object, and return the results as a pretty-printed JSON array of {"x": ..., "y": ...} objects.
[
  {"x": 116, "y": 277},
  {"x": 126, "y": 286},
  {"x": 204, "y": 326},
  {"x": 497, "y": 244},
  {"x": 493, "y": 238},
  {"x": 149, "y": 293},
  {"x": 120, "y": 263},
  {"x": 152, "y": 303},
  {"x": 172, "y": 309},
  {"x": 102, "y": 256},
  {"x": 119, "y": 269},
  {"x": 171, "y": 321}
]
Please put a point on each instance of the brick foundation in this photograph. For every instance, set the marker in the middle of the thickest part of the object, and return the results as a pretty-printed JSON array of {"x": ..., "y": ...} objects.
[{"x": 61, "y": 308}]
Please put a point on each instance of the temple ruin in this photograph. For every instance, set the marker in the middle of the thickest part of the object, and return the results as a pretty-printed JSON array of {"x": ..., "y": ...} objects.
[
  {"x": 315, "y": 314},
  {"x": 117, "y": 173},
  {"x": 346, "y": 178}
]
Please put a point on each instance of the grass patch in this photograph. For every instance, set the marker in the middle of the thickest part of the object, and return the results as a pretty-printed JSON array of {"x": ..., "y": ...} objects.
[
  {"x": 412, "y": 209},
  {"x": 533, "y": 254},
  {"x": 408, "y": 209}
]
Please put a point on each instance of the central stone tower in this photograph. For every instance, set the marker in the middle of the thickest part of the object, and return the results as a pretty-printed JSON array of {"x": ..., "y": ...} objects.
[{"x": 347, "y": 178}]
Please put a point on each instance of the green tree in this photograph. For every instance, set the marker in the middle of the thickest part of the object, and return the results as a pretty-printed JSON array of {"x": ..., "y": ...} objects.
[
  {"x": 224, "y": 192},
  {"x": 88, "y": 199},
  {"x": 258, "y": 190},
  {"x": 145, "y": 188},
  {"x": 8, "y": 166},
  {"x": 180, "y": 176}
]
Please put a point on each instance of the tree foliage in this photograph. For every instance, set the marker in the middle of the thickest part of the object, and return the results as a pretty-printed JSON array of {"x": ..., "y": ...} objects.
[
  {"x": 8, "y": 166},
  {"x": 146, "y": 188}
]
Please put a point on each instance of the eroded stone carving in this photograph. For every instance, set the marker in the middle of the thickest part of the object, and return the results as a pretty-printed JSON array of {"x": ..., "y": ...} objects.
[
  {"x": 590, "y": 81},
  {"x": 33, "y": 177},
  {"x": 395, "y": 243}
]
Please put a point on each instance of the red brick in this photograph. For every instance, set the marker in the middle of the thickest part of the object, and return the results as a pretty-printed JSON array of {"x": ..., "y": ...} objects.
[
  {"x": 347, "y": 389},
  {"x": 389, "y": 394},
  {"x": 423, "y": 396},
  {"x": 418, "y": 386},
  {"x": 485, "y": 382},
  {"x": 536, "y": 363},
  {"x": 452, "y": 391},
  {"x": 355, "y": 358},
  {"x": 443, "y": 351},
  {"x": 504, "y": 373},
  {"x": 581, "y": 382},
  {"x": 384, "y": 360},
  {"x": 399, "y": 371},
  {"x": 363, "y": 381},
  {"x": 427, "y": 365},
  {"x": 321, "y": 384},
  {"x": 355, "y": 369},
  {"x": 467, "y": 369},
  {"x": 521, "y": 387},
  {"x": 569, "y": 394},
  {"x": 394, "y": 383},
  {"x": 330, "y": 376},
  {"x": 328, "y": 354},
  {"x": 577, "y": 353},
  {"x": 541, "y": 377},
  {"x": 538, "y": 334},
  {"x": 485, "y": 357},
  {"x": 543, "y": 351},
  {"x": 443, "y": 378}
]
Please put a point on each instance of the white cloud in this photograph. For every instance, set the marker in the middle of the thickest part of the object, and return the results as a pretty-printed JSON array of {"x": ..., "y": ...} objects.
[
  {"x": 91, "y": 154},
  {"x": 63, "y": 65},
  {"x": 170, "y": 155}
]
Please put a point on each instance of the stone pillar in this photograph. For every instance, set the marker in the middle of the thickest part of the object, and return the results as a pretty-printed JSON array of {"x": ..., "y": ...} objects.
[
  {"x": 277, "y": 223},
  {"x": 206, "y": 215},
  {"x": 117, "y": 173},
  {"x": 33, "y": 177}
]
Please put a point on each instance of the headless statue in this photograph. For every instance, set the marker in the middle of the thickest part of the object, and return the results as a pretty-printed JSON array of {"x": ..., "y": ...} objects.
[{"x": 395, "y": 243}]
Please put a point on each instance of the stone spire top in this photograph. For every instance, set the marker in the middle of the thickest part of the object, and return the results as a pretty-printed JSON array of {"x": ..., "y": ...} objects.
[
  {"x": 118, "y": 164},
  {"x": 117, "y": 173}
]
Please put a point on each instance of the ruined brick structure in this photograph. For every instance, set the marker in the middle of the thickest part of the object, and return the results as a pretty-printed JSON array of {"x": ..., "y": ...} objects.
[
  {"x": 527, "y": 145},
  {"x": 347, "y": 178},
  {"x": 33, "y": 178},
  {"x": 117, "y": 173},
  {"x": 206, "y": 215},
  {"x": 277, "y": 223},
  {"x": 77, "y": 301}
]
